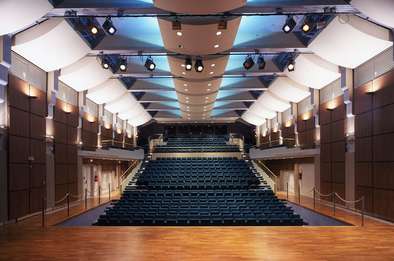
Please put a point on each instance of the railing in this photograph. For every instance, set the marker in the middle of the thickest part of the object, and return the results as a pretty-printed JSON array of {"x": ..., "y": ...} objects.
[
  {"x": 127, "y": 173},
  {"x": 284, "y": 142},
  {"x": 271, "y": 176},
  {"x": 332, "y": 198},
  {"x": 116, "y": 144},
  {"x": 66, "y": 200}
]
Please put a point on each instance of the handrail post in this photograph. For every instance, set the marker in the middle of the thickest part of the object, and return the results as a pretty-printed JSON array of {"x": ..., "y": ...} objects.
[
  {"x": 299, "y": 193},
  {"x": 362, "y": 210},
  {"x": 43, "y": 211},
  {"x": 109, "y": 191},
  {"x": 333, "y": 202},
  {"x": 314, "y": 198},
  {"x": 86, "y": 198},
  {"x": 68, "y": 204},
  {"x": 99, "y": 194},
  {"x": 287, "y": 191}
]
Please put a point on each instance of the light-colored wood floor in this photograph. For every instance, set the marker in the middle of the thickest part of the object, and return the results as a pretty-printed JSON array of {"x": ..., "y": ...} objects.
[{"x": 28, "y": 241}]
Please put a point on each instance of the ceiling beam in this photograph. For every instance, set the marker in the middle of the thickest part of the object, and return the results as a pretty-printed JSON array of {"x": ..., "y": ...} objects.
[{"x": 248, "y": 10}]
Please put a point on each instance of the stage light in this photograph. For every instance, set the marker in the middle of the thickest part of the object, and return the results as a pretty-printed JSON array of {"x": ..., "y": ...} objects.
[
  {"x": 308, "y": 25},
  {"x": 94, "y": 30},
  {"x": 248, "y": 63},
  {"x": 123, "y": 64},
  {"x": 109, "y": 26},
  {"x": 104, "y": 63},
  {"x": 261, "y": 62},
  {"x": 199, "y": 66},
  {"x": 188, "y": 64},
  {"x": 291, "y": 65},
  {"x": 289, "y": 25},
  {"x": 149, "y": 64}
]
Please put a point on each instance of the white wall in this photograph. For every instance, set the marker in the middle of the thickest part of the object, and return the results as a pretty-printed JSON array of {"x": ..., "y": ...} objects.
[{"x": 308, "y": 178}]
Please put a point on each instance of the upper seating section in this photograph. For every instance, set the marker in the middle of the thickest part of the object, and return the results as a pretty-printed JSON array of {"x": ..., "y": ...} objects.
[
  {"x": 197, "y": 173},
  {"x": 197, "y": 144}
]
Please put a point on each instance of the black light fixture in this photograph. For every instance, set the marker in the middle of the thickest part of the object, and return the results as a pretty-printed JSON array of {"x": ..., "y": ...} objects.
[
  {"x": 307, "y": 25},
  {"x": 248, "y": 63},
  {"x": 104, "y": 63},
  {"x": 123, "y": 64},
  {"x": 289, "y": 25},
  {"x": 291, "y": 65},
  {"x": 149, "y": 64},
  {"x": 199, "y": 66},
  {"x": 261, "y": 62},
  {"x": 188, "y": 64},
  {"x": 109, "y": 26}
]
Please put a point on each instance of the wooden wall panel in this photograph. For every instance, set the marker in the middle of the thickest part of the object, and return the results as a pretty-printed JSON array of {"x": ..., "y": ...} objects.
[
  {"x": 27, "y": 148},
  {"x": 306, "y": 132},
  {"x": 65, "y": 148},
  {"x": 374, "y": 132},
  {"x": 333, "y": 146}
]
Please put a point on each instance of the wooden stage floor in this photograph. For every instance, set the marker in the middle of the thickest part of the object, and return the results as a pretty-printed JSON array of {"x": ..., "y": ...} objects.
[{"x": 28, "y": 241}]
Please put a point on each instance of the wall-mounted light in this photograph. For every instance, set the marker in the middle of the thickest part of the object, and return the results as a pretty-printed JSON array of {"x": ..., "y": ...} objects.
[
  {"x": 288, "y": 123},
  {"x": 90, "y": 118},
  {"x": 306, "y": 116}
]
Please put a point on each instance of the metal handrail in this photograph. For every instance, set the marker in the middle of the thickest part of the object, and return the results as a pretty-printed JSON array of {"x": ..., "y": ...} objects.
[{"x": 128, "y": 170}]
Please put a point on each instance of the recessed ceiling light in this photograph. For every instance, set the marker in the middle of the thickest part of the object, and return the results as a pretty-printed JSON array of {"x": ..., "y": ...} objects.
[
  {"x": 218, "y": 33},
  {"x": 187, "y": 101},
  {"x": 185, "y": 84},
  {"x": 213, "y": 65},
  {"x": 216, "y": 46},
  {"x": 209, "y": 84},
  {"x": 208, "y": 90},
  {"x": 182, "y": 65},
  {"x": 179, "y": 33},
  {"x": 187, "y": 98},
  {"x": 211, "y": 73},
  {"x": 186, "y": 90},
  {"x": 206, "y": 97},
  {"x": 183, "y": 73}
]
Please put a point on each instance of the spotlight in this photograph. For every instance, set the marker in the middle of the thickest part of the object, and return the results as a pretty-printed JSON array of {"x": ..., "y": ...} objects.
[
  {"x": 109, "y": 26},
  {"x": 261, "y": 62},
  {"x": 149, "y": 64},
  {"x": 248, "y": 63},
  {"x": 291, "y": 65},
  {"x": 104, "y": 63},
  {"x": 94, "y": 30},
  {"x": 199, "y": 66},
  {"x": 188, "y": 64},
  {"x": 307, "y": 26},
  {"x": 289, "y": 25},
  {"x": 123, "y": 64}
]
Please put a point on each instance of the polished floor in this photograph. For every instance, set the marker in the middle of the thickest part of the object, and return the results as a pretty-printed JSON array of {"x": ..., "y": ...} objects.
[{"x": 28, "y": 241}]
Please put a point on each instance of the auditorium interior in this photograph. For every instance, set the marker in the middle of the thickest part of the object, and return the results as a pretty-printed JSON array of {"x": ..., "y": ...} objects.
[{"x": 196, "y": 130}]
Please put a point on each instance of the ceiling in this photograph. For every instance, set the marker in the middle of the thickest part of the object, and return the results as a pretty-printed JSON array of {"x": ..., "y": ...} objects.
[{"x": 222, "y": 33}]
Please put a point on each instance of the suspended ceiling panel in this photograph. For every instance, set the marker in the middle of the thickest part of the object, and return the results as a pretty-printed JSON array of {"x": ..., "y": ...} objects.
[
  {"x": 288, "y": 90},
  {"x": 313, "y": 71},
  {"x": 380, "y": 11},
  {"x": 187, "y": 86},
  {"x": 253, "y": 118},
  {"x": 50, "y": 45},
  {"x": 84, "y": 74},
  {"x": 273, "y": 102},
  {"x": 198, "y": 39},
  {"x": 18, "y": 14},
  {"x": 200, "y": 6},
  {"x": 107, "y": 91},
  {"x": 349, "y": 41}
]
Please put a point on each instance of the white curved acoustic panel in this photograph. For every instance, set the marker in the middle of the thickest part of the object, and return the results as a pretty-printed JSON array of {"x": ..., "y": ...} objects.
[
  {"x": 141, "y": 119},
  {"x": 135, "y": 111},
  {"x": 253, "y": 118},
  {"x": 51, "y": 45},
  {"x": 124, "y": 103},
  {"x": 314, "y": 72},
  {"x": 349, "y": 41},
  {"x": 272, "y": 102},
  {"x": 381, "y": 11},
  {"x": 107, "y": 91},
  {"x": 84, "y": 74},
  {"x": 200, "y": 6},
  {"x": 18, "y": 14},
  {"x": 262, "y": 111},
  {"x": 288, "y": 89}
]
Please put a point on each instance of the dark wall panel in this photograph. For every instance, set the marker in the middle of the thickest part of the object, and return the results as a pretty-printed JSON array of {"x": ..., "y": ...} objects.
[{"x": 374, "y": 131}]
